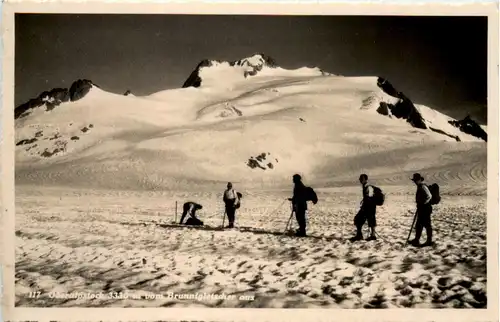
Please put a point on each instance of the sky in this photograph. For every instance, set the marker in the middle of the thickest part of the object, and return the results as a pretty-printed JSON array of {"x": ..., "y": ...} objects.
[{"x": 440, "y": 62}]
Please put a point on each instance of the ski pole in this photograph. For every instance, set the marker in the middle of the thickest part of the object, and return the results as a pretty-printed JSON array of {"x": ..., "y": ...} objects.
[
  {"x": 409, "y": 234},
  {"x": 291, "y": 215},
  {"x": 223, "y": 218},
  {"x": 175, "y": 212},
  {"x": 288, "y": 223}
]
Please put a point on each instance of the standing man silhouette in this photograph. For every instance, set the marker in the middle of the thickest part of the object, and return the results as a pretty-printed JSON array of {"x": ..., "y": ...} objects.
[
  {"x": 366, "y": 212},
  {"x": 231, "y": 202},
  {"x": 299, "y": 204},
  {"x": 423, "y": 199}
]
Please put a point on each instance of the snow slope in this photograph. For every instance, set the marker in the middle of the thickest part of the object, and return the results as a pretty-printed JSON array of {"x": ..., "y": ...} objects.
[{"x": 303, "y": 121}]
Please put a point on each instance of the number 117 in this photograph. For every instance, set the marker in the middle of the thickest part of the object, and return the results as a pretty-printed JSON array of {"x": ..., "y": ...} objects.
[{"x": 34, "y": 295}]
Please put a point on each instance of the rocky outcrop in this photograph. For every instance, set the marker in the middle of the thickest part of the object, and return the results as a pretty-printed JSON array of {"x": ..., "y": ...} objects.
[
  {"x": 444, "y": 133},
  {"x": 79, "y": 89},
  {"x": 265, "y": 60},
  {"x": 55, "y": 97},
  {"x": 469, "y": 126},
  {"x": 26, "y": 141},
  {"x": 194, "y": 79},
  {"x": 404, "y": 108},
  {"x": 58, "y": 95},
  {"x": 384, "y": 109},
  {"x": 260, "y": 162},
  {"x": 254, "y": 64},
  {"x": 50, "y": 98},
  {"x": 53, "y": 144}
]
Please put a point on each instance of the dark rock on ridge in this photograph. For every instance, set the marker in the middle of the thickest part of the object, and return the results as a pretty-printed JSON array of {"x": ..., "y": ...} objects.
[
  {"x": 469, "y": 126},
  {"x": 444, "y": 133},
  {"x": 53, "y": 98},
  {"x": 406, "y": 110},
  {"x": 79, "y": 89},
  {"x": 403, "y": 109},
  {"x": 194, "y": 79},
  {"x": 384, "y": 109}
]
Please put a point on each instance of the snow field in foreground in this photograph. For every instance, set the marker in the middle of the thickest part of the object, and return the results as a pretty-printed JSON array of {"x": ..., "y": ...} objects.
[{"x": 74, "y": 242}]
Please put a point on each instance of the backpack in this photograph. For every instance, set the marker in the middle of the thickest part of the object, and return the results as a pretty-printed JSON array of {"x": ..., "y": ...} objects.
[
  {"x": 436, "y": 197},
  {"x": 238, "y": 202},
  {"x": 311, "y": 195},
  {"x": 378, "y": 196}
]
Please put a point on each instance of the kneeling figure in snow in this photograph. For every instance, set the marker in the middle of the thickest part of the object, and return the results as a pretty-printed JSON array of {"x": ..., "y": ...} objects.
[{"x": 191, "y": 208}]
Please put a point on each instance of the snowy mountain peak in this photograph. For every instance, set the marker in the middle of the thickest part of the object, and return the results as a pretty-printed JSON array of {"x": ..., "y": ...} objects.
[
  {"x": 50, "y": 99},
  {"x": 217, "y": 73},
  {"x": 257, "y": 60},
  {"x": 260, "y": 121}
]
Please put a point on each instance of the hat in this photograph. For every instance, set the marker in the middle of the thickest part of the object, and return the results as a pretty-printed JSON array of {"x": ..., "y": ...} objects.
[{"x": 416, "y": 177}]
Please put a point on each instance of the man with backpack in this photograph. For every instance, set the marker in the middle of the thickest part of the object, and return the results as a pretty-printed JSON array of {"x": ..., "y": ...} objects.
[
  {"x": 232, "y": 202},
  {"x": 301, "y": 195},
  {"x": 424, "y": 200},
  {"x": 372, "y": 196}
]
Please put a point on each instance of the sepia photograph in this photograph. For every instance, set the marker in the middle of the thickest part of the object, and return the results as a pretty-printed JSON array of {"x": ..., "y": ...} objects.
[{"x": 251, "y": 161}]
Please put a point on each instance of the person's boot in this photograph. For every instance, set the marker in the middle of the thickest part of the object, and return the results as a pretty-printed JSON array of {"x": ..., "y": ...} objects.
[
  {"x": 300, "y": 233},
  {"x": 231, "y": 225},
  {"x": 414, "y": 242},
  {"x": 428, "y": 242},
  {"x": 359, "y": 236},
  {"x": 372, "y": 235}
]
